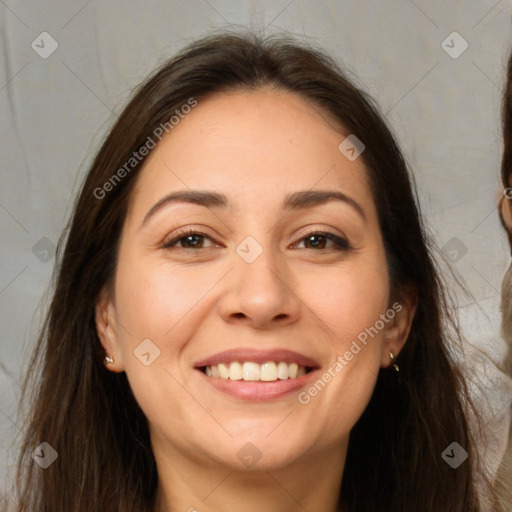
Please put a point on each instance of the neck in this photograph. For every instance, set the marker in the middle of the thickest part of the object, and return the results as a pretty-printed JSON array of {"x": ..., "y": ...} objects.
[{"x": 312, "y": 483}]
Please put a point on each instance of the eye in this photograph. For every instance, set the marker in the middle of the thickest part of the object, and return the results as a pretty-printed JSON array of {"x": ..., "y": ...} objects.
[
  {"x": 189, "y": 240},
  {"x": 319, "y": 240}
]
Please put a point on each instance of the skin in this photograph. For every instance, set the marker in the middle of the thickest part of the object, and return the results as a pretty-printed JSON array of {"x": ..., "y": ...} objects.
[
  {"x": 255, "y": 147},
  {"x": 506, "y": 289},
  {"x": 506, "y": 211},
  {"x": 505, "y": 469}
]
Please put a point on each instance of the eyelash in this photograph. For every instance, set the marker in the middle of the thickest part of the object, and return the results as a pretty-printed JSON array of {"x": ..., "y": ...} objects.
[{"x": 340, "y": 244}]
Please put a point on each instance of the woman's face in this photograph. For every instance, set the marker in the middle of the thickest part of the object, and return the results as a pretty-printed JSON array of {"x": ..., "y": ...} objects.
[
  {"x": 506, "y": 210},
  {"x": 264, "y": 267}
]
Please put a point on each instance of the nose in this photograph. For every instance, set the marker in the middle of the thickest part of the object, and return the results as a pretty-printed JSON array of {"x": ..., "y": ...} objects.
[{"x": 259, "y": 294}]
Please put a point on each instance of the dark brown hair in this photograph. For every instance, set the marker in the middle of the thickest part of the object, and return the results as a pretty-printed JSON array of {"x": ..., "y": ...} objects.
[
  {"x": 503, "y": 484},
  {"x": 89, "y": 415},
  {"x": 506, "y": 119},
  {"x": 506, "y": 116}
]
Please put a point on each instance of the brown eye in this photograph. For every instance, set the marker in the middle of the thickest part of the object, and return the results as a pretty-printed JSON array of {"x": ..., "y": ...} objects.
[
  {"x": 319, "y": 240},
  {"x": 190, "y": 240}
]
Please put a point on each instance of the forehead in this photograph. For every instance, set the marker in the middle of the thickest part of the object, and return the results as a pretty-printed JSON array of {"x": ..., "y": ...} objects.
[{"x": 255, "y": 146}]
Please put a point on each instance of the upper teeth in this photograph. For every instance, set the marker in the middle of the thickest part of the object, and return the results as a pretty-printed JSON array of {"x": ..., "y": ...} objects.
[{"x": 267, "y": 372}]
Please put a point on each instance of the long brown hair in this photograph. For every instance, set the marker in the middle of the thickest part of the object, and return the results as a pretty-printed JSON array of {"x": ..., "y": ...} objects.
[
  {"x": 506, "y": 157},
  {"x": 503, "y": 482},
  {"x": 506, "y": 116},
  {"x": 89, "y": 415}
]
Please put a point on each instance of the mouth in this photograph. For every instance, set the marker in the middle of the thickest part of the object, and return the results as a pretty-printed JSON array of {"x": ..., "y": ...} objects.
[
  {"x": 258, "y": 375},
  {"x": 250, "y": 371}
]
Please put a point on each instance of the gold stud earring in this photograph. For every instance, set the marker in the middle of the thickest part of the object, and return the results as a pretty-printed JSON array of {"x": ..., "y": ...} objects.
[
  {"x": 108, "y": 360},
  {"x": 395, "y": 365}
]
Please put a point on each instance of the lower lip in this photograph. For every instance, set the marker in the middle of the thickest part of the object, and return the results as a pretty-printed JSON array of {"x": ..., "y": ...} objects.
[{"x": 257, "y": 390}]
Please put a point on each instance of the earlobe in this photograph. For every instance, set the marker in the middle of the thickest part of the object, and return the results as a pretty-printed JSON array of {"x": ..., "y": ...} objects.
[
  {"x": 397, "y": 331},
  {"x": 105, "y": 317}
]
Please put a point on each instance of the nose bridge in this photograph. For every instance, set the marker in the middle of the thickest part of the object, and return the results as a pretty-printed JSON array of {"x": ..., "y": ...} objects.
[
  {"x": 258, "y": 290},
  {"x": 259, "y": 268}
]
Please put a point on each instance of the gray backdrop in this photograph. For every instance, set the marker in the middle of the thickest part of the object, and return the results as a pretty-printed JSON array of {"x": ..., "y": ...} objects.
[{"x": 67, "y": 68}]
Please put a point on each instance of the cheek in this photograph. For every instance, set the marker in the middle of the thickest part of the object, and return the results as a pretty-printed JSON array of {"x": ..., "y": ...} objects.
[
  {"x": 341, "y": 392},
  {"x": 153, "y": 299},
  {"x": 158, "y": 303},
  {"x": 352, "y": 304},
  {"x": 349, "y": 299},
  {"x": 350, "y": 393}
]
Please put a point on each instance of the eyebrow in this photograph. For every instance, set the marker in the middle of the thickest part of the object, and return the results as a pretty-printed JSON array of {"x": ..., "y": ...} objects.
[{"x": 295, "y": 201}]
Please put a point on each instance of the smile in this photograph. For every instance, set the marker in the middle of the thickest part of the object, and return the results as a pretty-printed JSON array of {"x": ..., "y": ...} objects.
[{"x": 269, "y": 371}]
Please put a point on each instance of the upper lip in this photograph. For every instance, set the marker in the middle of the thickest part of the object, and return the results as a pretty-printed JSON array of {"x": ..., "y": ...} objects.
[{"x": 257, "y": 356}]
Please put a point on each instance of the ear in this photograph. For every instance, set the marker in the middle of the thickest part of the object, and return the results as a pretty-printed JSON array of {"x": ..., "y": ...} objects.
[
  {"x": 106, "y": 327},
  {"x": 400, "y": 314}
]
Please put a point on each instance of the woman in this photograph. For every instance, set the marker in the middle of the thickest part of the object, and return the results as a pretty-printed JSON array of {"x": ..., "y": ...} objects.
[
  {"x": 246, "y": 312},
  {"x": 504, "y": 476}
]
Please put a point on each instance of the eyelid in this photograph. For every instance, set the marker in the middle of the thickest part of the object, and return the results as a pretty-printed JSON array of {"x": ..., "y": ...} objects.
[
  {"x": 190, "y": 231},
  {"x": 340, "y": 241}
]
